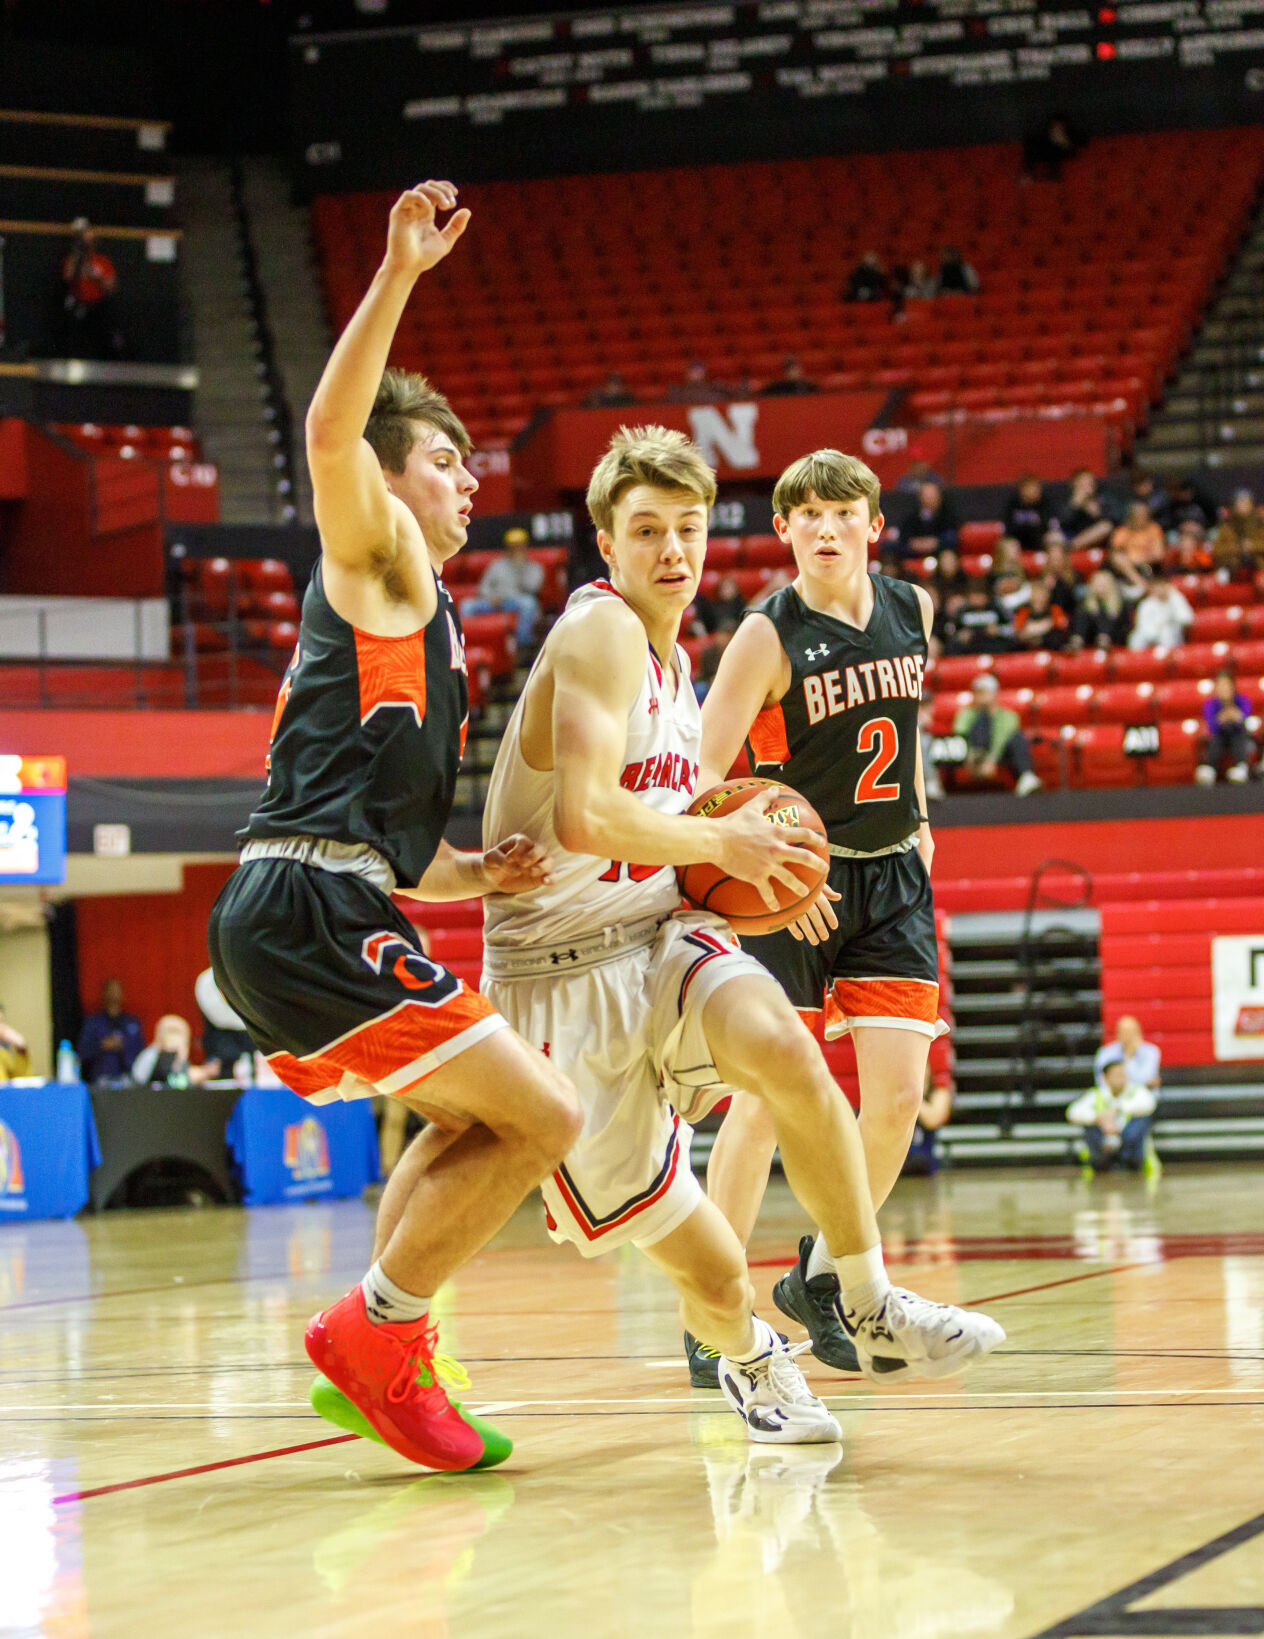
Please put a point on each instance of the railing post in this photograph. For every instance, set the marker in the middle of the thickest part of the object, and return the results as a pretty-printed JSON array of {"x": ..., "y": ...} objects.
[{"x": 41, "y": 621}]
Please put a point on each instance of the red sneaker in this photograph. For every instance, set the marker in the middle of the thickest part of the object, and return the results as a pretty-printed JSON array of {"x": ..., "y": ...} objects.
[{"x": 387, "y": 1372}]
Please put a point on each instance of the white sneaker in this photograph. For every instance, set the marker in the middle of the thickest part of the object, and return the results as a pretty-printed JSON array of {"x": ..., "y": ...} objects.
[
  {"x": 1239, "y": 774},
  {"x": 910, "y": 1336},
  {"x": 1027, "y": 783},
  {"x": 1205, "y": 774},
  {"x": 773, "y": 1400}
]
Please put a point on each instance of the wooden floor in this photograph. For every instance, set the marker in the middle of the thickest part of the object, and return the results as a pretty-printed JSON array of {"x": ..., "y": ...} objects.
[{"x": 161, "y": 1474}]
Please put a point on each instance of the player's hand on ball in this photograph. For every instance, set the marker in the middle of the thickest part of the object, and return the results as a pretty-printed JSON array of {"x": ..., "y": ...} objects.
[
  {"x": 414, "y": 240},
  {"x": 815, "y": 926},
  {"x": 755, "y": 851},
  {"x": 517, "y": 865}
]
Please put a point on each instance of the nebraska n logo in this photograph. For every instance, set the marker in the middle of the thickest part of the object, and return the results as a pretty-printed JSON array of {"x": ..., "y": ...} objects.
[{"x": 373, "y": 954}]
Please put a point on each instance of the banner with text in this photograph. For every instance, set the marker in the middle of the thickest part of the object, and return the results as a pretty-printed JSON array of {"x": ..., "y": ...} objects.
[{"x": 1237, "y": 981}]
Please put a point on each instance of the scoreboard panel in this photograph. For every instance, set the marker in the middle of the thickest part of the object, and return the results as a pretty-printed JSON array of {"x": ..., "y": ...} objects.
[{"x": 710, "y": 81}]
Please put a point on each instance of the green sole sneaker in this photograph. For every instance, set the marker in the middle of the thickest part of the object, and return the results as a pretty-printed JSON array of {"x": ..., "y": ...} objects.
[
  {"x": 811, "y": 1303},
  {"x": 704, "y": 1364},
  {"x": 329, "y": 1402}
]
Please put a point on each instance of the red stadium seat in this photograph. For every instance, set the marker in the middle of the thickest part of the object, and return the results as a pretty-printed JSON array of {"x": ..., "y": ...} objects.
[
  {"x": 1126, "y": 703},
  {"x": 979, "y": 536},
  {"x": 765, "y": 552},
  {"x": 1218, "y": 625},
  {"x": 495, "y": 635},
  {"x": 1201, "y": 659},
  {"x": 1089, "y": 666},
  {"x": 1058, "y": 705},
  {"x": 1140, "y": 665},
  {"x": 1023, "y": 671}
]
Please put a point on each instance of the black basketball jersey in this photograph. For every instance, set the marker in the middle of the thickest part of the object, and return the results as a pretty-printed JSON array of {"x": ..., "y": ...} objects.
[
  {"x": 368, "y": 735},
  {"x": 845, "y": 733}
]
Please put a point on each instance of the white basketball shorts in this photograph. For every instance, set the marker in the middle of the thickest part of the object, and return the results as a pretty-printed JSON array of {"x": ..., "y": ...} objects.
[{"x": 628, "y": 1032}]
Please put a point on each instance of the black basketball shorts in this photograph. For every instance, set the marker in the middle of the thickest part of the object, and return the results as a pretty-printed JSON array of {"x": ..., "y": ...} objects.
[
  {"x": 333, "y": 984},
  {"x": 880, "y": 966}
]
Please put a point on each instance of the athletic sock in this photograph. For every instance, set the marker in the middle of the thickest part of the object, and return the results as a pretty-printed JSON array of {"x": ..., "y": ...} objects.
[
  {"x": 819, "y": 1260},
  {"x": 765, "y": 1343},
  {"x": 387, "y": 1302},
  {"x": 863, "y": 1279}
]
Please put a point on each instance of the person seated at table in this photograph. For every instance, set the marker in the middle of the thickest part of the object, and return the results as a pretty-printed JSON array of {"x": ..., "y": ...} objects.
[
  {"x": 15, "y": 1060},
  {"x": 110, "y": 1038},
  {"x": 225, "y": 1039},
  {"x": 165, "y": 1062}
]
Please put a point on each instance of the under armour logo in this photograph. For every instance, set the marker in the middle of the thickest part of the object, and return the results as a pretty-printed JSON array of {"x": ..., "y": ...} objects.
[
  {"x": 816, "y": 654},
  {"x": 560, "y": 956}
]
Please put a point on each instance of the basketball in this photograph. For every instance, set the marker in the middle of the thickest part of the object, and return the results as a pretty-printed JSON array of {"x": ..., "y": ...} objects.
[{"x": 708, "y": 888}]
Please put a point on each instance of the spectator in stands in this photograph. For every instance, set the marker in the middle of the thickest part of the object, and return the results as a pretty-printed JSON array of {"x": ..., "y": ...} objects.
[
  {"x": 613, "y": 394},
  {"x": 956, "y": 276},
  {"x": 791, "y": 381},
  {"x": 110, "y": 1038},
  {"x": 1187, "y": 504},
  {"x": 1163, "y": 616},
  {"x": 724, "y": 611},
  {"x": 1103, "y": 618},
  {"x": 1142, "y": 1059},
  {"x": 697, "y": 387},
  {"x": 1027, "y": 513},
  {"x": 1011, "y": 591},
  {"x": 937, "y": 1094},
  {"x": 1041, "y": 623},
  {"x": 709, "y": 664},
  {"x": 1085, "y": 519},
  {"x": 932, "y": 526},
  {"x": 1133, "y": 582},
  {"x": 1190, "y": 553},
  {"x": 925, "y": 730},
  {"x": 88, "y": 283},
  {"x": 994, "y": 738},
  {"x": 978, "y": 627},
  {"x": 15, "y": 1058},
  {"x": 511, "y": 581},
  {"x": 949, "y": 578},
  {"x": 915, "y": 475},
  {"x": 1007, "y": 558},
  {"x": 1115, "y": 1118},
  {"x": 1047, "y": 150},
  {"x": 165, "y": 1062},
  {"x": 1143, "y": 487},
  {"x": 868, "y": 280},
  {"x": 1138, "y": 538},
  {"x": 1238, "y": 544},
  {"x": 919, "y": 283},
  {"x": 1063, "y": 582},
  {"x": 1228, "y": 743}
]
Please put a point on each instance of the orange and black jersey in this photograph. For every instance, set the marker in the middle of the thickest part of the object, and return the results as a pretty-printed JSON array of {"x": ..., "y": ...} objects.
[
  {"x": 845, "y": 733},
  {"x": 367, "y": 736}
]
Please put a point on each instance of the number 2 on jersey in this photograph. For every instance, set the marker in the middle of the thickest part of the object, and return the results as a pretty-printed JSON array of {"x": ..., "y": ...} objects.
[{"x": 884, "y": 732}]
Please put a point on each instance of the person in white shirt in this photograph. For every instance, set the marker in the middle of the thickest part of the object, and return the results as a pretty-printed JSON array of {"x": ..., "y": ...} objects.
[
  {"x": 511, "y": 582},
  {"x": 1141, "y": 1058},
  {"x": 1163, "y": 617},
  {"x": 1115, "y": 1120}
]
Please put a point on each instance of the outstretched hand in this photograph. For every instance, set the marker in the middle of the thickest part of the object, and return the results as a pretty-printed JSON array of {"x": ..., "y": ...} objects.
[
  {"x": 414, "y": 240},
  {"x": 517, "y": 865}
]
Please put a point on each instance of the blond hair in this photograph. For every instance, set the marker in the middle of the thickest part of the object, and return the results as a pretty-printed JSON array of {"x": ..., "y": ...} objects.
[
  {"x": 647, "y": 455},
  {"x": 404, "y": 399},
  {"x": 830, "y": 476}
]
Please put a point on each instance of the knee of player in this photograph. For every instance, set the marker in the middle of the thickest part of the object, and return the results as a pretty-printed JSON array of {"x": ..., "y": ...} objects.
[
  {"x": 727, "y": 1294},
  {"x": 560, "y": 1119},
  {"x": 901, "y": 1101}
]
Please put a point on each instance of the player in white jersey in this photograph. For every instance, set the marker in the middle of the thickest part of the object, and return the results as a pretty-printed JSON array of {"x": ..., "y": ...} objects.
[{"x": 652, "y": 1009}]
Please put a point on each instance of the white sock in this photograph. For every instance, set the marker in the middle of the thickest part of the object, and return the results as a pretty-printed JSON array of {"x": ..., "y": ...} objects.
[
  {"x": 819, "y": 1260},
  {"x": 387, "y": 1302},
  {"x": 765, "y": 1343},
  {"x": 863, "y": 1278}
]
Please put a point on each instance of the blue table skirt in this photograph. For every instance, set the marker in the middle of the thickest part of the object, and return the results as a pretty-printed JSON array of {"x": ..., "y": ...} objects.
[
  {"x": 48, "y": 1146},
  {"x": 289, "y": 1150}
]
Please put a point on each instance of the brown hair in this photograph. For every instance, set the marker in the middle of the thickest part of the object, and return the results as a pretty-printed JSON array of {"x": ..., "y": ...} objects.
[
  {"x": 403, "y": 400},
  {"x": 830, "y": 476},
  {"x": 647, "y": 455}
]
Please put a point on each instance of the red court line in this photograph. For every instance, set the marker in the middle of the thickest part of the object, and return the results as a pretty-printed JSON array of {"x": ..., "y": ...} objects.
[
  {"x": 1047, "y": 1285},
  {"x": 202, "y": 1468}
]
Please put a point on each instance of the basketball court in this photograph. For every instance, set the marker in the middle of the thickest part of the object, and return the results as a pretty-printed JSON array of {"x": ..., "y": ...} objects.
[{"x": 160, "y": 1469}]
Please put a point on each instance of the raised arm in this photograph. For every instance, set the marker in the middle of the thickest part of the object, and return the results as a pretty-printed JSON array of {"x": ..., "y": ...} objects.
[
  {"x": 597, "y": 663},
  {"x": 753, "y": 673},
  {"x": 353, "y": 507}
]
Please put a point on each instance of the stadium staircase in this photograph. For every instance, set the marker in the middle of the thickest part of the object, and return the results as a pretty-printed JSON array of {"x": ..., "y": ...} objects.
[
  {"x": 1214, "y": 409},
  {"x": 230, "y": 400}
]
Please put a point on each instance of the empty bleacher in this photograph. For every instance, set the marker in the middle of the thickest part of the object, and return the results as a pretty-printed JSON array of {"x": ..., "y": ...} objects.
[{"x": 1090, "y": 287}]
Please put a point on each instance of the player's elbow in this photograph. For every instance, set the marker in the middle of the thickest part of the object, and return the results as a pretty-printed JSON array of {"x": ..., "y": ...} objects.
[
  {"x": 574, "y": 823},
  {"x": 324, "y": 433}
]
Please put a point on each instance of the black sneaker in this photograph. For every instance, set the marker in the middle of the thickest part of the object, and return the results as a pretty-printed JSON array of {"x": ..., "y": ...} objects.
[
  {"x": 812, "y": 1304},
  {"x": 704, "y": 1361}
]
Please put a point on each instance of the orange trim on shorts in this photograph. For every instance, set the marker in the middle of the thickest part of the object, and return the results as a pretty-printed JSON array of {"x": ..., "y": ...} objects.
[
  {"x": 411, "y": 1037},
  {"x": 860, "y": 999},
  {"x": 767, "y": 737}
]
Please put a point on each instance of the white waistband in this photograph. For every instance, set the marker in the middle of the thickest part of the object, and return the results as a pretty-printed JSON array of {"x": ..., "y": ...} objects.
[
  {"x": 530, "y": 961},
  {"x": 876, "y": 853},
  {"x": 347, "y": 858}
]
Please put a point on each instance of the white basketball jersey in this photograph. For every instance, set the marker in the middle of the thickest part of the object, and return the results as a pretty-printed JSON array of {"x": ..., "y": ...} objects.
[{"x": 589, "y": 894}]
